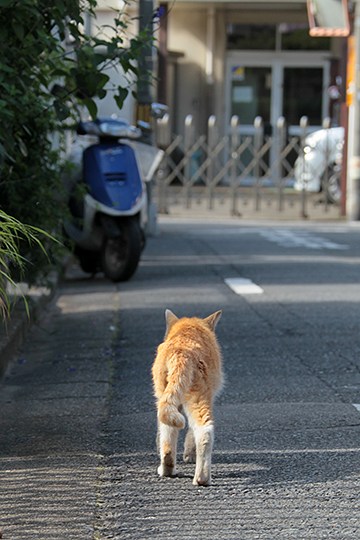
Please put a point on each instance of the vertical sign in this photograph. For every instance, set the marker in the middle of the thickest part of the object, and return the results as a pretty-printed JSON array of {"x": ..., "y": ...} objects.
[{"x": 328, "y": 18}]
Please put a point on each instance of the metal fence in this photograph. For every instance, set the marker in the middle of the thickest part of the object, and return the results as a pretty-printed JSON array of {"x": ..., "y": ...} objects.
[{"x": 236, "y": 173}]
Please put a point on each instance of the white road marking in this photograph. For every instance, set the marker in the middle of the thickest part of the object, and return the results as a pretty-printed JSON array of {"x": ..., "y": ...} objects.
[
  {"x": 243, "y": 286},
  {"x": 357, "y": 406},
  {"x": 295, "y": 239}
]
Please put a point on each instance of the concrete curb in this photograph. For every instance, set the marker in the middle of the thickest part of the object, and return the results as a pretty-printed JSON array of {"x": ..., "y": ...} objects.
[{"x": 14, "y": 331}]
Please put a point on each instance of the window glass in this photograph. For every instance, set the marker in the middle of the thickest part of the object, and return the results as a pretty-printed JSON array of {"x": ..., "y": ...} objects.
[
  {"x": 251, "y": 93},
  {"x": 291, "y": 37},
  {"x": 302, "y": 94},
  {"x": 296, "y": 38},
  {"x": 251, "y": 37}
]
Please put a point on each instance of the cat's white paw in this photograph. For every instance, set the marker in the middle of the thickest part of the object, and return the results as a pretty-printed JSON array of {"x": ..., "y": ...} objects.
[
  {"x": 189, "y": 457},
  {"x": 163, "y": 470},
  {"x": 202, "y": 480}
]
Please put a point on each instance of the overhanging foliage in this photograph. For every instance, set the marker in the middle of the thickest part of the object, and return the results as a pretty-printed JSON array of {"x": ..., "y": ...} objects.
[{"x": 49, "y": 68}]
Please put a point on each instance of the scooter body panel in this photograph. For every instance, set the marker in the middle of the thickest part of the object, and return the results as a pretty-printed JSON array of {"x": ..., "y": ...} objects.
[
  {"x": 91, "y": 235},
  {"x": 112, "y": 175}
]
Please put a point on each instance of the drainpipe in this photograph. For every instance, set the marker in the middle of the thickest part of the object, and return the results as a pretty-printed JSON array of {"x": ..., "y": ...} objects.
[
  {"x": 162, "y": 96},
  {"x": 145, "y": 63},
  {"x": 209, "y": 60}
]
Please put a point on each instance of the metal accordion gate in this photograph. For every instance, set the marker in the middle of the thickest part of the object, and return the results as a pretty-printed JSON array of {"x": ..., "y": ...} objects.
[{"x": 243, "y": 175}]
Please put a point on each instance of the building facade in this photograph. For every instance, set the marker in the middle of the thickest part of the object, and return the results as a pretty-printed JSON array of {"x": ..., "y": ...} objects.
[{"x": 250, "y": 59}]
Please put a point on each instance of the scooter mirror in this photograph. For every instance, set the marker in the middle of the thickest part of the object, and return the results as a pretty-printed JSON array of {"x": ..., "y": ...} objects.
[
  {"x": 158, "y": 110},
  {"x": 144, "y": 126},
  {"x": 88, "y": 128}
]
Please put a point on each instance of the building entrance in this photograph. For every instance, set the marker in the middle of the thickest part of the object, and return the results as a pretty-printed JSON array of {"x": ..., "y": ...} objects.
[{"x": 271, "y": 85}]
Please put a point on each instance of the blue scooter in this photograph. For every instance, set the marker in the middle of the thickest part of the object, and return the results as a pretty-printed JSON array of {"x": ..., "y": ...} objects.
[{"x": 109, "y": 199}]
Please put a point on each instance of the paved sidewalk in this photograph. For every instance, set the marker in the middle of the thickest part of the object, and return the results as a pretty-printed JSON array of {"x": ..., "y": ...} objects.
[
  {"x": 290, "y": 207},
  {"x": 23, "y": 314},
  {"x": 53, "y": 400}
]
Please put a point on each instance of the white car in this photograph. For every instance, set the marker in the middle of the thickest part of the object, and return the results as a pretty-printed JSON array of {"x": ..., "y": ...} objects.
[{"x": 318, "y": 168}]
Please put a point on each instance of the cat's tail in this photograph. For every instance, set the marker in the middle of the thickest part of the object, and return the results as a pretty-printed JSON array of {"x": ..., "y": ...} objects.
[
  {"x": 179, "y": 381},
  {"x": 168, "y": 413}
]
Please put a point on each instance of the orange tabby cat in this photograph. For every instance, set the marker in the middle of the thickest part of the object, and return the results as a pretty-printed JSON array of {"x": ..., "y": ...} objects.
[{"x": 187, "y": 375}]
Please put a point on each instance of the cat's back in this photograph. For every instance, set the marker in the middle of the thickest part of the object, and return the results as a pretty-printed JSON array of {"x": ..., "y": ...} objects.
[
  {"x": 191, "y": 337},
  {"x": 191, "y": 332},
  {"x": 190, "y": 347}
]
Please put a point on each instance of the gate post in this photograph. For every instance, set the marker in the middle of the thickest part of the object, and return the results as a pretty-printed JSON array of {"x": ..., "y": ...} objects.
[
  {"x": 212, "y": 139},
  {"x": 163, "y": 131},
  {"x": 234, "y": 145},
  {"x": 188, "y": 142},
  {"x": 258, "y": 142},
  {"x": 163, "y": 140},
  {"x": 280, "y": 139},
  {"x": 303, "y": 132}
]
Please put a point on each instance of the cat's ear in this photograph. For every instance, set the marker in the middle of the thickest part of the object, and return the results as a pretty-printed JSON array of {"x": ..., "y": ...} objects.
[
  {"x": 170, "y": 320},
  {"x": 213, "y": 319}
]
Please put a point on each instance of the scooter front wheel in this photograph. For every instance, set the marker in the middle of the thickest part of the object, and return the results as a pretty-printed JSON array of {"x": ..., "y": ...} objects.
[{"x": 120, "y": 256}]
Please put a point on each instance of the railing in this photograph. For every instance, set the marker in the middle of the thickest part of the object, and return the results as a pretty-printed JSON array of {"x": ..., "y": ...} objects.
[{"x": 256, "y": 169}]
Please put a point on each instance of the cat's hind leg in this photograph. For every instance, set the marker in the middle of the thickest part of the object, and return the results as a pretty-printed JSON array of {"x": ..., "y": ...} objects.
[
  {"x": 200, "y": 419},
  {"x": 189, "y": 447},
  {"x": 167, "y": 440},
  {"x": 204, "y": 438}
]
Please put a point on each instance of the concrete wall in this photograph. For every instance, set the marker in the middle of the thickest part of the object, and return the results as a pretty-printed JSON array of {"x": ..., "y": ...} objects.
[
  {"x": 105, "y": 15},
  {"x": 187, "y": 34}
]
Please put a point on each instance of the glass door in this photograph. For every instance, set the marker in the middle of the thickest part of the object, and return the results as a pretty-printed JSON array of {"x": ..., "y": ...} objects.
[
  {"x": 303, "y": 94},
  {"x": 271, "y": 85},
  {"x": 251, "y": 96},
  {"x": 251, "y": 93}
]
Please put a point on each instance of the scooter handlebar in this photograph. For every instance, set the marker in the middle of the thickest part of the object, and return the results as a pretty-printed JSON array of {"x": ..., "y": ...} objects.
[
  {"x": 87, "y": 128},
  {"x": 109, "y": 128}
]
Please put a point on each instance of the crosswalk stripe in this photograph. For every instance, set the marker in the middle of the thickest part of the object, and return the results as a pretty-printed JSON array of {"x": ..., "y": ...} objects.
[
  {"x": 296, "y": 239},
  {"x": 243, "y": 286}
]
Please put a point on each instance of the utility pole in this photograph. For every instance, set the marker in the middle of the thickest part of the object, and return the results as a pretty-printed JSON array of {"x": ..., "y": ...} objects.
[
  {"x": 145, "y": 63},
  {"x": 353, "y": 196}
]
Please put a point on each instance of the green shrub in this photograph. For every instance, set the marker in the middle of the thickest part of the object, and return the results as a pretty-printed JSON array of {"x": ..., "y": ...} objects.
[
  {"x": 13, "y": 234},
  {"x": 43, "y": 83}
]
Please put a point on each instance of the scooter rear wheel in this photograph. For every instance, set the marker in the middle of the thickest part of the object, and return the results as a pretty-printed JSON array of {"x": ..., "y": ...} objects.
[{"x": 120, "y": 256}]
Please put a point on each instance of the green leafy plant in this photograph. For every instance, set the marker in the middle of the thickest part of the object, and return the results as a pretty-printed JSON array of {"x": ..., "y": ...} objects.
[
  {"x": 50, "y": 70},
  {"x": 12, "y": 234}
]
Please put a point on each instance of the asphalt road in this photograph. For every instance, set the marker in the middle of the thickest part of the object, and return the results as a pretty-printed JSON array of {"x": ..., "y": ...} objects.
[{"x": 78, "y": 454}]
